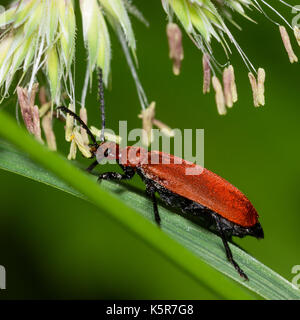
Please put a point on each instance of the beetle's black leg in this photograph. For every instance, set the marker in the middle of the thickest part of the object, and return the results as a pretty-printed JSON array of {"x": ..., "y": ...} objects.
[
  {"x": 128, "y": 174},
  {"x": 228, "y": 251},
  {"x": 151, "y": 193},
  {"x": 92, "y": 166}
]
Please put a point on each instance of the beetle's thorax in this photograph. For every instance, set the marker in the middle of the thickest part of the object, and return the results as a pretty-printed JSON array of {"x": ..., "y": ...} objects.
[{"x": 132, "y": 156}]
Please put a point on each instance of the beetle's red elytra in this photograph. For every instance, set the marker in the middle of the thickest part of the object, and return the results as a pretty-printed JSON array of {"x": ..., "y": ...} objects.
[{"x": 205, "y": 187}]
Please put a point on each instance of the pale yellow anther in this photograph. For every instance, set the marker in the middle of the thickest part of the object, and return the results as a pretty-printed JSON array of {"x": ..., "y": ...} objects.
[
  {"x": 287, "y": 44},
  {"x": 83, "y": 116},
  {"x": 175, "y": 46},
  {"x": 297, "y": 34},
  {"x": 206, "y": 73},
  {"x": 261, "y": 77},
  {"x": 164, "y": 128},
  {"x": 147, "y": 116},
  {"x": 69, "y": 124},
  {"x": 84, "y": 149},
  {"x": 233, "y": 85},
  {"x": 73, "y": 151},
  {"x": 227, "y": 87},
  {"x": 30, "y": 112},
  {"x": 107, "y": 135},
  {"x": 220, "y": 100},
  {"x": 77, "y": 142},
  {"x": 48, "y": 130},
  {"x": 44, "y": 109},
  {"x": 258, "y": 87},
  {"x": 253, "y": 83}
]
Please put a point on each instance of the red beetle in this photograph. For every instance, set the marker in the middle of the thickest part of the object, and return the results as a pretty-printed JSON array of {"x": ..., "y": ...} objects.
[
  {"x": 205, "y": 194},
  {"x": 202, "y": 194}
]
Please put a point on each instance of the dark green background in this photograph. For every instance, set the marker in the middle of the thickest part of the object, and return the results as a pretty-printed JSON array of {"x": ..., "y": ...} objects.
[{"x": 56, "y": 246}]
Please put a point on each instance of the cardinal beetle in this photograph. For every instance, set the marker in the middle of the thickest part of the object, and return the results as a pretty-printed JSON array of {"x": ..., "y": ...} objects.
[{"x": 206, "y": 194}]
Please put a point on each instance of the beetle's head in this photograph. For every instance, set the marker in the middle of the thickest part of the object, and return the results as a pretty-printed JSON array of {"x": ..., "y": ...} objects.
[{"x": 106, "y": 150}]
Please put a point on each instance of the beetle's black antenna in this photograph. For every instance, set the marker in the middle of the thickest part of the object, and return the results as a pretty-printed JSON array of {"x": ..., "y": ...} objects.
[
  {"x": 102, "y": 103},
  {"x": 80, "y": 121}
]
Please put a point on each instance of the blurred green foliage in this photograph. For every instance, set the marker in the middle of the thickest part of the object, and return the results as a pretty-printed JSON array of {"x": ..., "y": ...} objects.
[{"x": 56, "y": 246}]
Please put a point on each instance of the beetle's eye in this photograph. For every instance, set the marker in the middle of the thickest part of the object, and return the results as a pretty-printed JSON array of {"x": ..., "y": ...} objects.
[{"x": 106, "y": 152}]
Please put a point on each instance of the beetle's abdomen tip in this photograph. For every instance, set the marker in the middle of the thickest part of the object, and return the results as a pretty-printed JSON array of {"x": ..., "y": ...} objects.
[{"x": 257, "y": 231}]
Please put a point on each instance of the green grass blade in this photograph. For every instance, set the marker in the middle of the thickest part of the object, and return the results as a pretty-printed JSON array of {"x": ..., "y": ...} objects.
[{"x": 197, "y": 241}]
